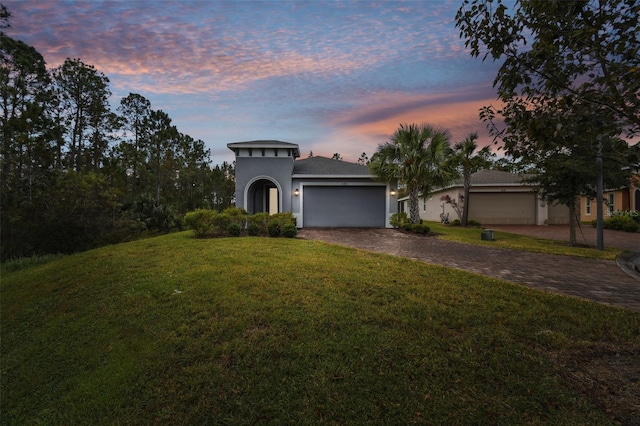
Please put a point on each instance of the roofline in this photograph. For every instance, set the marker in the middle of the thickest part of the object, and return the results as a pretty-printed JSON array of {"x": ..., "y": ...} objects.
[
  {"x": 475, "y": 185},
  {"x": 301, "y": 176},
  {"x": 266, "y": 144}
]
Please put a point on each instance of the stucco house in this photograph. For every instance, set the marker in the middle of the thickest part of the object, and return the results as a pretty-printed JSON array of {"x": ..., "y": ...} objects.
[
  {"x": 496, "y": 198},
  {"x": 319, "y": 191},
  {"x": 625, "y": 198}
]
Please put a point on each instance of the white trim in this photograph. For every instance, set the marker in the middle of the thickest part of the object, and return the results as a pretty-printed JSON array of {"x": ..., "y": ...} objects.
[{"x": 263, "y": 177}]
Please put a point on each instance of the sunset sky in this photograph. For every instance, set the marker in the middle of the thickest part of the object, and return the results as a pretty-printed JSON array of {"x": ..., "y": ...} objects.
[{"x": 331, "y": 76}]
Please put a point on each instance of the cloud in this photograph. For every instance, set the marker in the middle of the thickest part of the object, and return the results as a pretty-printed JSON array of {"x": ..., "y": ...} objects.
[
  {"x": 163, "y": 47},
  {"x": 336, "y": 76}
]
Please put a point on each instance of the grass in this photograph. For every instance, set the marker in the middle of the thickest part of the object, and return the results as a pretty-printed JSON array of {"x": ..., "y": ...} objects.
[
  {"x": 520, "y": 242},
  {"x": 17, "y": 264},
  {"x": 179, "y": 330}
]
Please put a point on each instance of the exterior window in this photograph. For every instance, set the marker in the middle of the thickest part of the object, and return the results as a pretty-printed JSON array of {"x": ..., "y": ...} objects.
[
  {"x": 275, "y": 151},
  {"x": 263, "y": 152},
  {"x": 611, "y": 203},
  {"x": 587, "y": 206},
  {"x": 424, "y": 204},
  {"x": 250, "y": 152}
]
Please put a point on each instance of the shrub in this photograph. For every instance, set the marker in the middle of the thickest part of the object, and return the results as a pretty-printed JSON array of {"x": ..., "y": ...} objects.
[
  {"x": 398, "y": 220},
  {"x": 622, "y": 223},
  {"x": 234, "y": 229},
  {"x": 283, "y": 218},
  {"x": 417, "y": 228},
  {"x": 633, "y": 214},
  {"x": 274, "y": 229},
  {"x": 259, "y": 220},
  {"x": 279, "y": 221},
  {"x": 289, "y": 231},
  {"x": 253, "y": 229},
  {"x": 472, "y": 223},
  {"x": 235, "y": 211},
  {"x": 221, "y": 222},
  {"x": 202, "y": 221}
]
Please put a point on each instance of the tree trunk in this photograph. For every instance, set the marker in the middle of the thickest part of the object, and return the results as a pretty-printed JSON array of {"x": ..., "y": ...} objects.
[
  {"x": 572, "y": 223},
  {"x": 465, "y": 205},
  {"x": 414, "y": 207}
]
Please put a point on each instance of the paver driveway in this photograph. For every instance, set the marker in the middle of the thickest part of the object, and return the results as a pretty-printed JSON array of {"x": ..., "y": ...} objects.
[{"x": 598, "y": 280}]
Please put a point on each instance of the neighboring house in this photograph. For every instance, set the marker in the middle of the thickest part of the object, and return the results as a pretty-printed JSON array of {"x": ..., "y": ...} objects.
[
  {"x": 320, "y": 192},
  {"x": 626, "y": 198},
  {"x": 496, "y": 198}
]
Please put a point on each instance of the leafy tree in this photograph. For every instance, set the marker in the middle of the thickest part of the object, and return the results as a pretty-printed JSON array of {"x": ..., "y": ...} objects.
[
  {"x": 566, "y": 66},
  {"x": 363, "y": 160},
  {"x": 4, "y": 18},
  {"x": 26, "y": 154},
  {"x": 159, "y": 153},
  {"x": 134, "y": 111},
  {"x": 192, "y": 162},
  {"x": 83, "y": 93},
  {"x": 468, "y": 161},
  {"x": 418, "y": 156},
  {"x": 336, "y": 156},
  {"x": 222, "y": 191},
  {"x": 566, "y": 149},
  {"x": 584, "y": 51}
]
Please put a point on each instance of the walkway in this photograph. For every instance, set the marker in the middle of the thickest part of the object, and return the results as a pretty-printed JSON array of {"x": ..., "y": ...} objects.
[{"x": 599, "y": 280}]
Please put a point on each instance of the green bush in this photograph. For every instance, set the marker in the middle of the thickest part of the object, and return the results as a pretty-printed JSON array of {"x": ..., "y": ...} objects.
[
  {"x": 234, "y": 229},
  {"x": 289, "y": 231},
  {"x": 259, "y": 220},
  {"x": 210, "y": 223},
  {"x": 202, "y": 221},
  {"x": 221, "y": 222},
  {"x": 253, "y": 229},
  {"x": 235, "y": 211},
  {"x": 622, "y": 223},
  {"x": 274, "y": 229},
  {"x": 398, "y": 220},
  {"x": 633, "y": 214},
  {"x": 470, "y": 222},
  {"x": 417, "y": 228},
  {"x": 283, "y": 219}
]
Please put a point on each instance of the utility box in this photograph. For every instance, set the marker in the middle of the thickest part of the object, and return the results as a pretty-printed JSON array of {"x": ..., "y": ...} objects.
[{"x": 488, "y": 235}]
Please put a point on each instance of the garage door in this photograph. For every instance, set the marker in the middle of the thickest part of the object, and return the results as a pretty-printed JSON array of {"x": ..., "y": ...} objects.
[
  {"x": 503, "y": 209},
  {"x": 344, "y": 206}
]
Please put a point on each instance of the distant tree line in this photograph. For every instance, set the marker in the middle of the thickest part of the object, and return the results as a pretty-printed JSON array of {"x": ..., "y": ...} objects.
[{"x": 76, "y": 174}]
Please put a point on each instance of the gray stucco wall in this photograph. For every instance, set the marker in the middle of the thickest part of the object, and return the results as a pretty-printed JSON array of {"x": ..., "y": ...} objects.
[{"x": 276, "y": 169}]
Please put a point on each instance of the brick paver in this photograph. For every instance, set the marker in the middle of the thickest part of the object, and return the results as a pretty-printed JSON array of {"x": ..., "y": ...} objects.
[{"x": 599, "y": 280}]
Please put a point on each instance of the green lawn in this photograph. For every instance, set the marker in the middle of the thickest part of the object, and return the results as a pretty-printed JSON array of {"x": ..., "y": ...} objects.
[
  {"x": 178, "y": 330},
  {"x": 520, "y": 242}
]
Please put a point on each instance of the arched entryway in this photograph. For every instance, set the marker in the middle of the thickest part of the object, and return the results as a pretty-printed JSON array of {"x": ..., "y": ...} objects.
[{"x": 263, "y": 195}]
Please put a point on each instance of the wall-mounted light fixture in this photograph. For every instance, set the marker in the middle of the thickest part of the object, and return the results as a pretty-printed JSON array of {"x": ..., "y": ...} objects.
[
  {"x": 296, "y": 192},
  {"x": 393, "y": 192}
]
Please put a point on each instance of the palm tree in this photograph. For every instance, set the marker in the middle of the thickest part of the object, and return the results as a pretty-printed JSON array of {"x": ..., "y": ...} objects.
[
  {"x": 418, "y": 156},
  {"x": 467, "y": 164}
]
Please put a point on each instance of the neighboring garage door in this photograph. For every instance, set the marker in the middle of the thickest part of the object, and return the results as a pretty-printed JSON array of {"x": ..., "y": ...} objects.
[
  {"x": 503, "y": 209},
  {"x": 344, "y": 206}
]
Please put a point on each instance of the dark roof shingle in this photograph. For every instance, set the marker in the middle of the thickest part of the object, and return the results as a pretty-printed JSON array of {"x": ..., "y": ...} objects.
[{"x": 328, "y": 166}]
